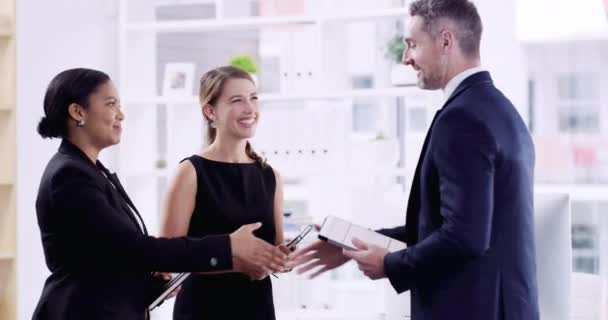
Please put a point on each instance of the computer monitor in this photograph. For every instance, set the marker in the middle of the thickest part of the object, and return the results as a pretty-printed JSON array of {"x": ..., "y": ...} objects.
[{"x": 552, "y": 226}]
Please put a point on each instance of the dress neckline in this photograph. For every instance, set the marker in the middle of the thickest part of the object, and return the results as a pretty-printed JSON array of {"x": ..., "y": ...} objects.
[{"x": 225, "y": 163}]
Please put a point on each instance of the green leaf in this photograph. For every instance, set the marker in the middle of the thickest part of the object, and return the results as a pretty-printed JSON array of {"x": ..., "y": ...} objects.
[{"x": 244, "y": 62}]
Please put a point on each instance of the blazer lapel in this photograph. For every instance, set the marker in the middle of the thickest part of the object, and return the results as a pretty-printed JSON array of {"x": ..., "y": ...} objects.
[
  {"x": 413, "y": 204},
  {"x": 114, "y": 179},
  {"x": 67, "y": 147},
  {"x": 129, "y": 207}
]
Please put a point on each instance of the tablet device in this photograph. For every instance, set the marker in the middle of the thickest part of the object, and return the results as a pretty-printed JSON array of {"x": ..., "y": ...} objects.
[
  {"x": 171, "y": 285},
  {"x": 340, "y": 232}
]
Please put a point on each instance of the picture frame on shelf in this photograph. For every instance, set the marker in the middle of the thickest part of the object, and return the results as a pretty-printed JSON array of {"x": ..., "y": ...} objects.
[{"x": 178, "y": 79}]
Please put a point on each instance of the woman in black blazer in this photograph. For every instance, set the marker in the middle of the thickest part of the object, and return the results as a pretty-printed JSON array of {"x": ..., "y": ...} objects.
[{"x": 95, "y": 243}]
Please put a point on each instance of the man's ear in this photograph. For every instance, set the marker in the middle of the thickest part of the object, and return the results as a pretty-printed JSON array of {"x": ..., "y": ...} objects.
[{"x": 448, "y": 40}]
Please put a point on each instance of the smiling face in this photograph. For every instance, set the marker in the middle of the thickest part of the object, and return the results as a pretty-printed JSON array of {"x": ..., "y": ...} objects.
[
  {"x": 103, "y": 116},
  {"x": 235, "y": 113},
  {"x": 424, "y": 54}
]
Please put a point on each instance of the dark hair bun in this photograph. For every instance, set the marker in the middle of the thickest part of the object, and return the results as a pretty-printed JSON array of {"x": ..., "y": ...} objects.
[{"x": 44, "y": 128}]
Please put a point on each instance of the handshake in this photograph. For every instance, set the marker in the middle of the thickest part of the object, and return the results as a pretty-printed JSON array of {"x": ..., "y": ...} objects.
[
  {"x": 342, "y": 241},
  {"x": 255, "y": 257}
]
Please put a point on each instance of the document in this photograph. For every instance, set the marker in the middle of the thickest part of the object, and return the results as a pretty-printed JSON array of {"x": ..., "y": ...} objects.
[{"x": 340, "y": 232}]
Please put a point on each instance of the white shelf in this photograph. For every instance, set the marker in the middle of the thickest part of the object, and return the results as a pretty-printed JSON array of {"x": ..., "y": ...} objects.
[
  {"x": 346, "y": 94},
  {"x": 355, "y": 173},
  {"x": 587, "y": 253},
  {"x": 259, "y": 22},
  {"x": 578, "y": 192},
  {"x": 166, "y": 173},
  {"x": 273, "y": 97},
  {"x": 159, "y": 100}
]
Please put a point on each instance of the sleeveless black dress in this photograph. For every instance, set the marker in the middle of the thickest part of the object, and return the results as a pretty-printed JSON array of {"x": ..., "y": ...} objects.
[{"x": 229, "y": 195}]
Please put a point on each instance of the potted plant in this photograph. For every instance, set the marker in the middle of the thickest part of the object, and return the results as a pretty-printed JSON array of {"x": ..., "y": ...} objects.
[
  {"x": 246, "y": 63},
  {"x": 400, "y": 74}
]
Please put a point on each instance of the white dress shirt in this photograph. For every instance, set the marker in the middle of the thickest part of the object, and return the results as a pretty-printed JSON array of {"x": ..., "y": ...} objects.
[{"x": 457, "y": 80}]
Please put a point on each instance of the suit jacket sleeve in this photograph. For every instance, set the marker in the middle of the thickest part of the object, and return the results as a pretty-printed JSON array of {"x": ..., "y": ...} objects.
[
  {"x": 96, "y": 236},
  {"x": 464, "y": 154},
  {"x": 397, "y": 233}
]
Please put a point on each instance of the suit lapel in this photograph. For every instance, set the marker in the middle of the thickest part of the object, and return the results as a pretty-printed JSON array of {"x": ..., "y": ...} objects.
[
  {"x": 413, "y": 204},
  {"x": 69, "y": 148},
  {"x": 120, "y": 203},
  {"x": 128, "y": 205},
  {"x": 114, "y": 179}
]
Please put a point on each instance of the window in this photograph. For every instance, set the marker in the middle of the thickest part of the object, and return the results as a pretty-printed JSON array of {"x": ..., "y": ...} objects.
[
  {"x": 587, "y": 225},
  {"x": 578, "y": 103},
  {"x": 364, "y": 110}
]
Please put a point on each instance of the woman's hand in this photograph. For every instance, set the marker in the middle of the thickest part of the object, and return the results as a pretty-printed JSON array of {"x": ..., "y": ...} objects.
[{"x": 253, "y": 256}]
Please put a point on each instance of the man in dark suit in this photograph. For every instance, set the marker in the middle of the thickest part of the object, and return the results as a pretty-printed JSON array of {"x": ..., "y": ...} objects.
[{"x": 469, "y": 226}]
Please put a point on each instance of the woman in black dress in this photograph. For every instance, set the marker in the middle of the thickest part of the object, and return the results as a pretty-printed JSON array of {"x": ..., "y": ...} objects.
[{"x": 218, "y": 190}]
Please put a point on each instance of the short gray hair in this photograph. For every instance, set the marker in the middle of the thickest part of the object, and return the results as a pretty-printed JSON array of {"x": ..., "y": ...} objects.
[{"x": 462, "y": 13}]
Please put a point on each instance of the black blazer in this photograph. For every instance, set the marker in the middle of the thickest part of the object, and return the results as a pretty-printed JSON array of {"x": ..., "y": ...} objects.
[
  {"x": 99, "y": 257},
  {"x": 469, "y": 225}
]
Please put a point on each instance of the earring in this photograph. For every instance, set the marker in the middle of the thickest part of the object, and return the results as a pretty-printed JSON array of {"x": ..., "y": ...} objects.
[
  {"x": 212, "y": 124},
  {"x": 80, "y": 123}
]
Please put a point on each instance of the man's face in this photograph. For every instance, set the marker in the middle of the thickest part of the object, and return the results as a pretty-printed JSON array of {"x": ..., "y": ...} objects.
[{"x": 425, "y": 55}]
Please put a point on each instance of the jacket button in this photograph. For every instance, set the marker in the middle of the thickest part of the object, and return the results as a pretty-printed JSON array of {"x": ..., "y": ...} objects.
[{"x": 213, "y": 262}]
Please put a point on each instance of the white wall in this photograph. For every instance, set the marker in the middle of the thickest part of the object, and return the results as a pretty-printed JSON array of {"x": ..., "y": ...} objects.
[
  {"x": 501, "y": 53},
  {"x": 559, "y": 20},
  {"x": 51, "y": 36}
]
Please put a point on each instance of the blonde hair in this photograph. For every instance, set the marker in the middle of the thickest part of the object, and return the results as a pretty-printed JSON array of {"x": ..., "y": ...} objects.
[{"x": 211, "y": 88}]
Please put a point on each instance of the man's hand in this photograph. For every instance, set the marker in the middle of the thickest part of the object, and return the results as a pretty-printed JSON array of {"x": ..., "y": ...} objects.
[
  {"x": 253, "y": 256},
  {"x": 370, "y": 259},
  {"x": 284, "y": 249},
  {"x": 319, "y": 253},
  {"x": 287, "y": 252}
]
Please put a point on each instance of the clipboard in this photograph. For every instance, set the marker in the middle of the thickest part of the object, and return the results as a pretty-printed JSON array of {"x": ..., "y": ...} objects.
[
  {"x": 173, "y": 284},
  {"x": 340, "y": 232}
]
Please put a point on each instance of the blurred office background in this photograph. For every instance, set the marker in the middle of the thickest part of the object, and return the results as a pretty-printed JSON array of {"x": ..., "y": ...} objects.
[{"x": 341, "y": 120}]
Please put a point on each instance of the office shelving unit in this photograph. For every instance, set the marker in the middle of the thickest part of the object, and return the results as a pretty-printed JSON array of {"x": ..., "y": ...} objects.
[
  {"x": 312, "y": 89},
  {"x": 306, "y": 77}
]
